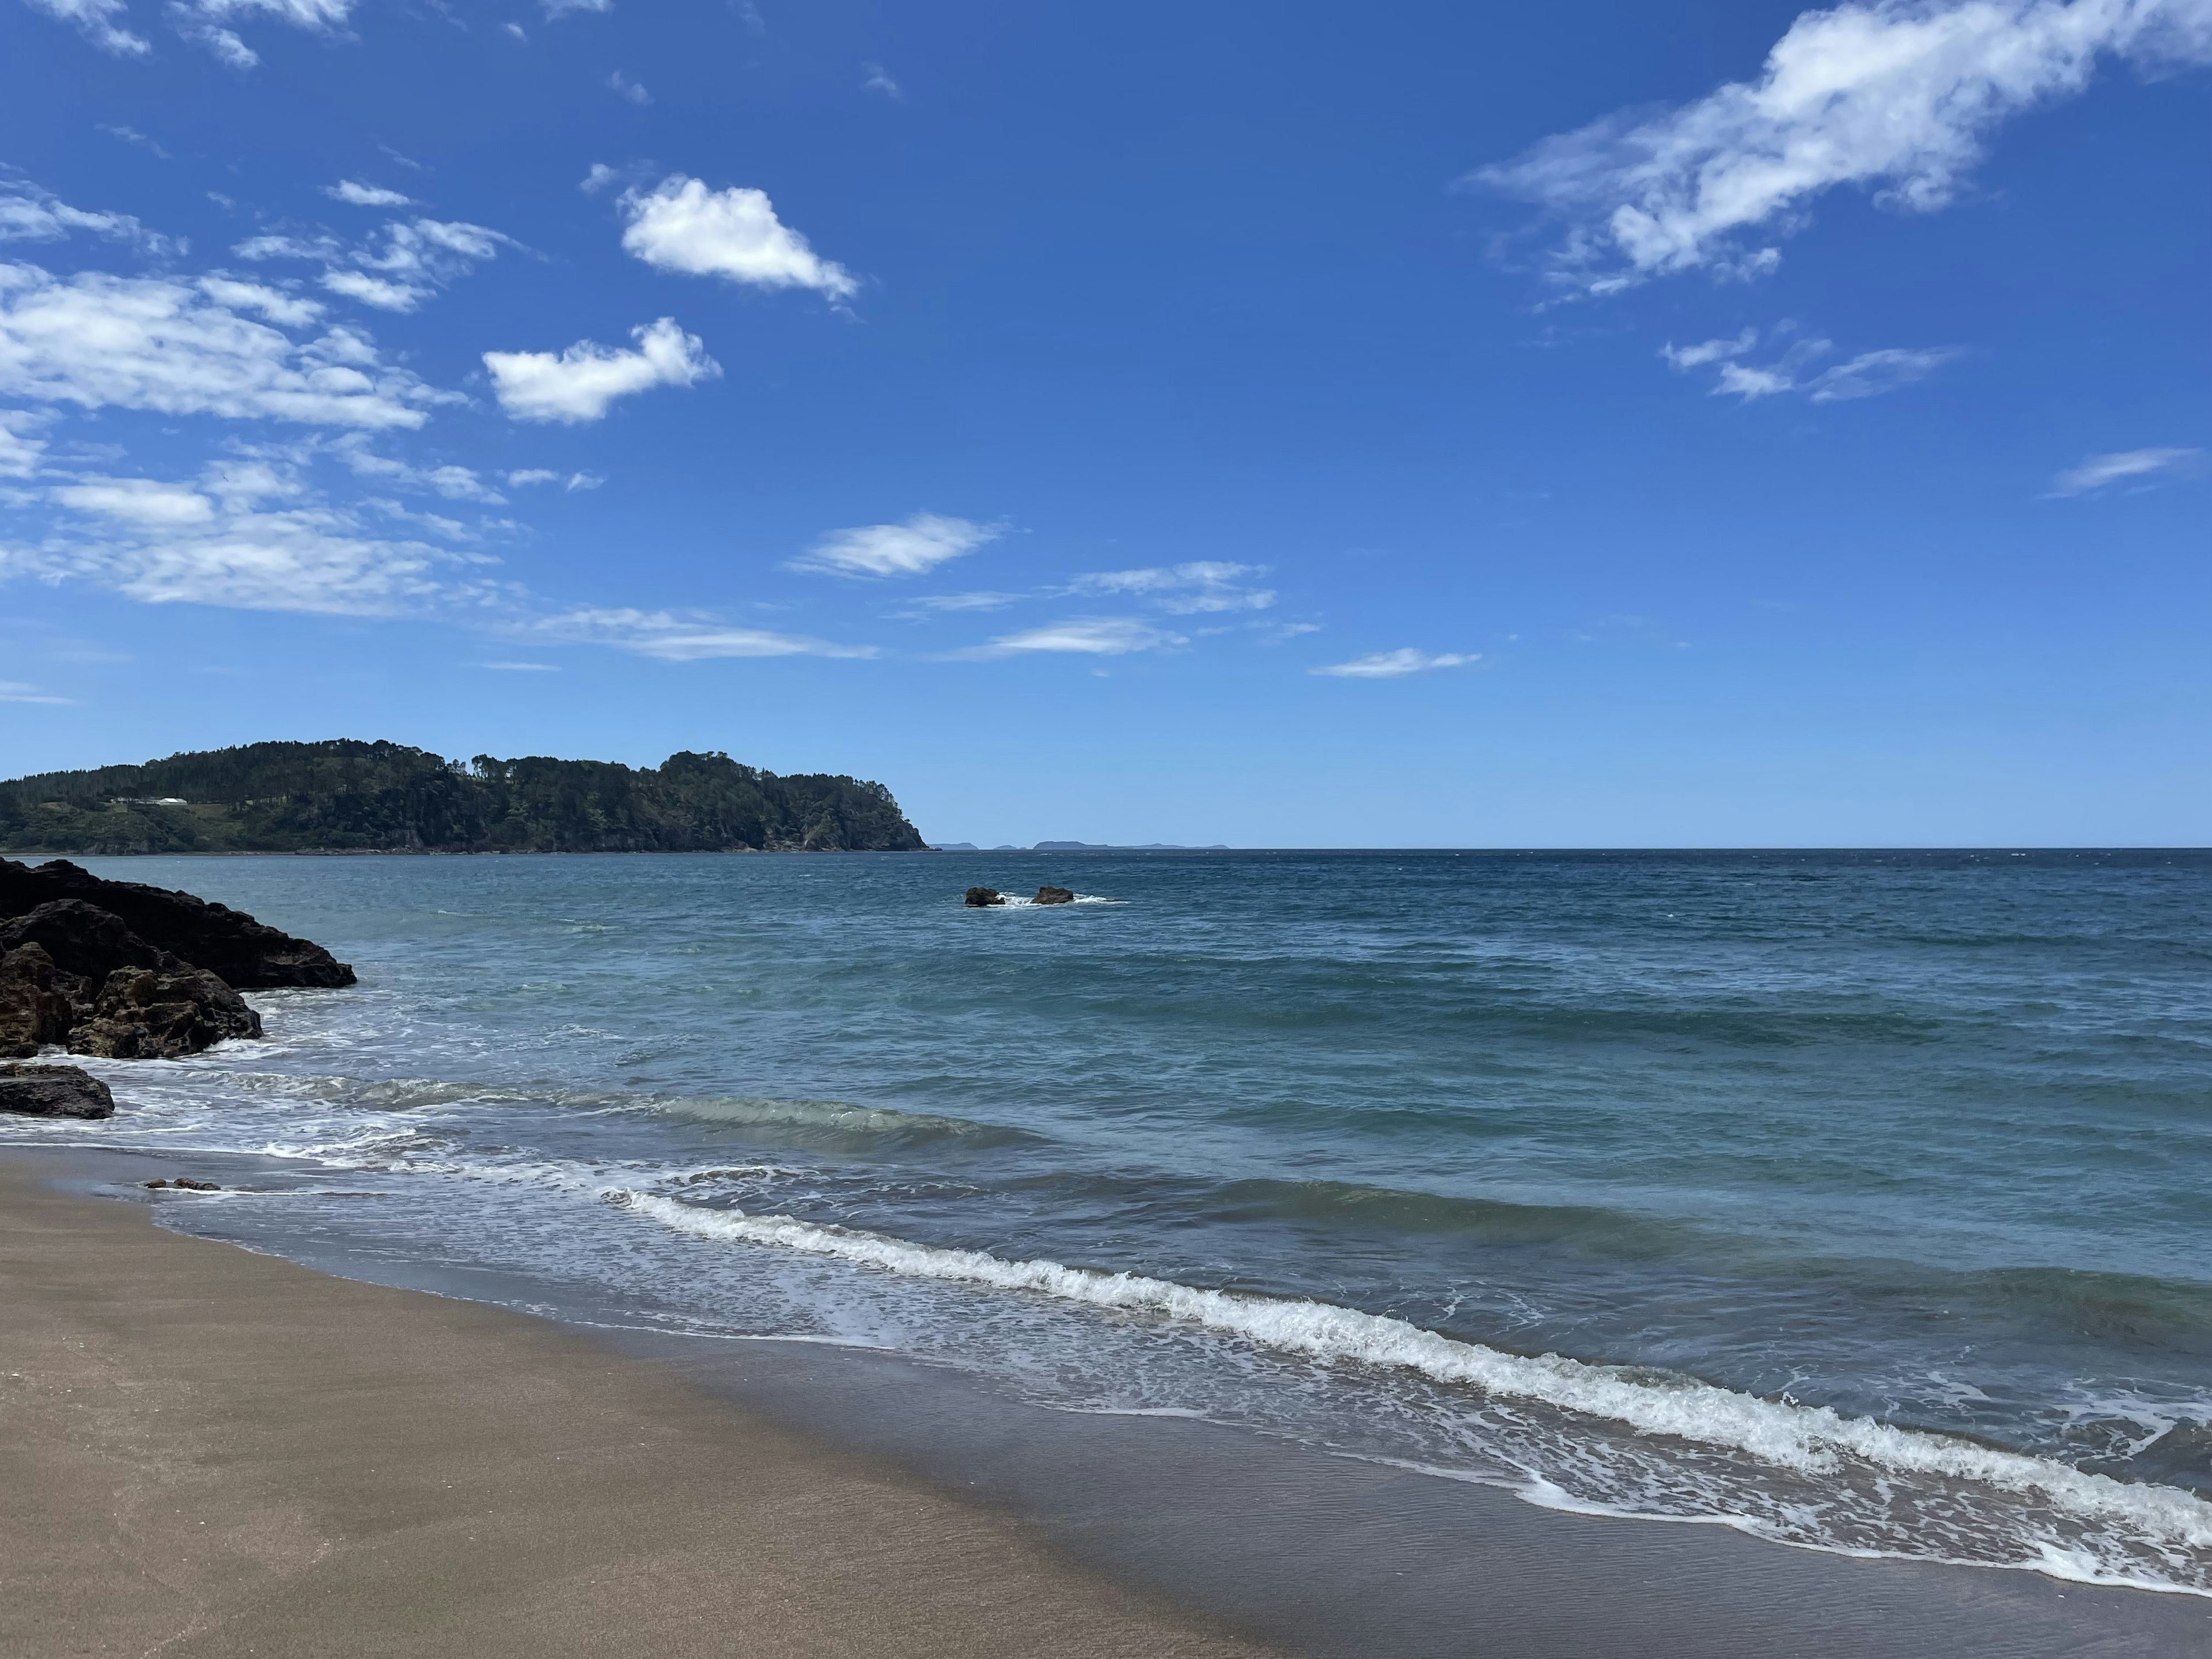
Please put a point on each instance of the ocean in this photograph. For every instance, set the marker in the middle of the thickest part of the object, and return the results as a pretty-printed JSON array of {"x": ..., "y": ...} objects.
[{"x": 1861, "y": 1202}]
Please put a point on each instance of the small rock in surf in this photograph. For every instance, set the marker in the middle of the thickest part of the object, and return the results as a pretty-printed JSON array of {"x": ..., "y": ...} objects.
[
  {"x": 1054, "y": 896},
  {"x": 981, "y": 896}
]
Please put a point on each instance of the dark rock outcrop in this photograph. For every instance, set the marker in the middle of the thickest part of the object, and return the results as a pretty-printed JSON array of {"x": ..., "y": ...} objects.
[
  {"x": 72, "y": 972},
  {"x": 184, "y": 1182},
  {"x": 161, "y": 1013},
  {"x": 83, "y": 941},
  {"x": 244, "y": 953},
  {"x": 33, "y": 1010},
  {"x": 981, "y": 896},
  {"x": 1054, "y": 896},
  {"x": 53, "y": 1092}
]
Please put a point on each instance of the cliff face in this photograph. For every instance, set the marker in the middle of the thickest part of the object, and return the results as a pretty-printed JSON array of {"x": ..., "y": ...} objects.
[{"x": 345, "y": 796}]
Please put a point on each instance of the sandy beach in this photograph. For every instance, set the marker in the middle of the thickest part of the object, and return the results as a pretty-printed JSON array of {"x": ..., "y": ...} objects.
[{"x": 209, "y": 1452}]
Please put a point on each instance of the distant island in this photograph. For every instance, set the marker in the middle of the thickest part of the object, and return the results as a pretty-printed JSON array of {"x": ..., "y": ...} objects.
[
  {"x": 1078, "y": 846},
  {"x": 345, "y": 796}
]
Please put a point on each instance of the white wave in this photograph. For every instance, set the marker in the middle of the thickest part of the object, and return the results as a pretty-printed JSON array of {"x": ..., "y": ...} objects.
[
  {"x": 2174, "y": 1525},
  {"x": 1013, "y": 904}
]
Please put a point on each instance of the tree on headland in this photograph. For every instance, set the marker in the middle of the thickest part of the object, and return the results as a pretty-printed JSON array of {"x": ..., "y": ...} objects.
[{"x": 349, "y": 796}]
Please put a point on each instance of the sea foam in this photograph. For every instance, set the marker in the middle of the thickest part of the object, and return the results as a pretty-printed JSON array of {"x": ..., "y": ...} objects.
[{"x": 2172, "y": 1526}]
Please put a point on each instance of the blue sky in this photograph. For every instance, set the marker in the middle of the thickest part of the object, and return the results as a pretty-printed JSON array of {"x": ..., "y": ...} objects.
[{"x": 1595, "y": 424}]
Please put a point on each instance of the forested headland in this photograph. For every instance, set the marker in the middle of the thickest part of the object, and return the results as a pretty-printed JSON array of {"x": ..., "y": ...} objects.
[{"x": 345, "y": 796}]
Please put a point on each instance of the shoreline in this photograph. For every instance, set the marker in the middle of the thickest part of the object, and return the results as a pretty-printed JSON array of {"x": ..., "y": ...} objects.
[
  {"x": 1137, "y": 1534},
  {"x": 214, "y": 1452}
]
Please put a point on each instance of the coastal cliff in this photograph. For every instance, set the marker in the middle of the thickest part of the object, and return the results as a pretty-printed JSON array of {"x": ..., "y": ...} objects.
[{"x": 345, "y": 796}]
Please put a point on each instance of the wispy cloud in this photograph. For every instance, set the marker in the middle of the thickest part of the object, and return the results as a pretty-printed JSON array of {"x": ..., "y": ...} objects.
[
  {"x": 622, "y": 85},
  {"x": 97, "y": 19},
  {"x": 407, "y": 262},
  {"x": 356, "y": 194},
  {"x": 31, "y": 214},
  {"x": 182, "y": 348},
  {"x": 682, "y": 636},
  {"x": 1194, "y": 589},
  {"x": 2138, "y": 466},
  {"x": 203, "y": 20},
  {"x": 878, "y": 80},
  {"x": 580, "y": 383},
  {"x": 23, "y": 691},
  {"x": 1091, "y": 636},
  {"x": 1897, "y": 96},
  {"x": 680, "y": 225},
  {"x": 920, "y": 544},
  {"x": 1870, "y": 375},
  {"x": 1391, "y": 664}
]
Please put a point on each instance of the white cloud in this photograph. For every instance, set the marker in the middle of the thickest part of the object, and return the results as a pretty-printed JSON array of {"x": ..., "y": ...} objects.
[
  {"x": 878, "y": 80},
  {"x": 531, "y": 475},
  {"x": 21, "y": 453},
  {"x": 682, "y": 226},
  {"x": 97, "y": 19},
  {"x": 1712, "y": 352},
  {"x": 410, "y": 260},
  {"x": 146, "y": 502},
  {"x": 151, "y": 544},
  {"x": 2097, "y": 471},
  {"x": 455, "y": 484},
  {"x": 278, "y": 306},
  {"x": 375, "y": 290},
  {"x": 153, "y": 344},
  {"x": 599, "y": 178},
  {"x": 920, "y": 544},
  {"x": 580, "y": 383},
  {"x": 1870, "y": 375},
  {"x": 1390, "y": 665},
  {"x": 360, "y": 195},
  {"x": 1898, "y": 96},
  {"x": 132, "y": 136},
  {"x": 584, "y": 481},
  {"x": 938, "y": 603},
  {"x": 225, "y": 45},
  {"x": 28, "y": 214},
  {"x": 1202, "y": 586},
  {"x": 24, "y": 691},
  {"x": 677, "y": 637},
  {"x": 558, "y": 8},
  {"x": 1094, "y": 637},
  {"x": 623, "y": 86}
]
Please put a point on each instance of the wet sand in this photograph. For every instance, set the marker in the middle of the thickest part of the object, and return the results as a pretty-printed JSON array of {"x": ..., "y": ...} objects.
[{"x": 210, "y": 1452}]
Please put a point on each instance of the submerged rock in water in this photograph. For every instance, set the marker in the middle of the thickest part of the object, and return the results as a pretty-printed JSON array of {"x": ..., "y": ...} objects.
[
  {"x": 981, "y": 896},
  {"x": 1054, "y": 896},
  {"x": 53, "y": 1092},
  {"x": 183, "y": 1182},
  {"x": 34, "y": 1011},
  {"x": 161, "y": 1013},
  {"x": 229, "y": 944}
]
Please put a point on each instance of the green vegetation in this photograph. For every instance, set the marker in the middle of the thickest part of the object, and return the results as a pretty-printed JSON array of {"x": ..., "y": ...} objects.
[{"x": 344, "y": 796}]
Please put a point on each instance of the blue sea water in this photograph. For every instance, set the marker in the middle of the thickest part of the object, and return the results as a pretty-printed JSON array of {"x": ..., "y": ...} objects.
[{"x": 1860, "y": 1201}]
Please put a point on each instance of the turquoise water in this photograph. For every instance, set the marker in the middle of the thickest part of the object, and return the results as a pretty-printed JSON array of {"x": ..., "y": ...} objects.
[{"x": 1859, "y": 1201}]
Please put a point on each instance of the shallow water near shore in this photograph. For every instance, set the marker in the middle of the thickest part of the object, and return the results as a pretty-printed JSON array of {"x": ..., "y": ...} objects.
[{"x": 1857, "y": 1200}]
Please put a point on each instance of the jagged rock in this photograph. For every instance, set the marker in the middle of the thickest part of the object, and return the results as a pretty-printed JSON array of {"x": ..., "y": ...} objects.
[
  {"x": 84, "y": 940},
  {"x": 981, "y": 896},
  {"x": 227, "y": 942},
  {"x": 53, "y": 1092},
  {"x": 1054, "y": 896},
  {"x": 161, "y": 1013},
  {"x": 184, "y": 1182},
  {"x": 33, "y": 1010}
]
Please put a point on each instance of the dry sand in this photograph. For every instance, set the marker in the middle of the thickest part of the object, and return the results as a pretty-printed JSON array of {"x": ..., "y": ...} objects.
[{"x": 207, "y": 1452}]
